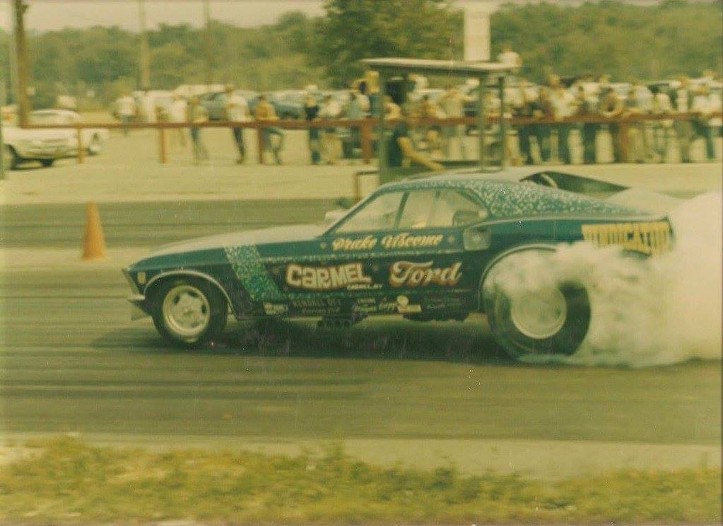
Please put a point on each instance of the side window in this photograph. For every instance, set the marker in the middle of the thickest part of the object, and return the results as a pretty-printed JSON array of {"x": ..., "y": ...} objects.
[
  {"x": 378, "y": 214},
  {"x": 454, "y": 208},
  {"x": 439, "y": 209},
  {"x": 418, "y": 209}
]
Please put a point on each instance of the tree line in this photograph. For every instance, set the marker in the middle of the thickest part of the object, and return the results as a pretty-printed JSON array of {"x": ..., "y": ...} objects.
[{"x": 626, "y": 41}]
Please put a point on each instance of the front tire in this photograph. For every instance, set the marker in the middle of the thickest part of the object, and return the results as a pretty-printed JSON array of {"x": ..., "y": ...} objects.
[
  {"x": 47, "y": 163},
  {"x": 547, "y": 317},
  {"x": 189, "y": 313},
  {"x": 95, "y": 146},
  {"x": 10, "y": 158}
]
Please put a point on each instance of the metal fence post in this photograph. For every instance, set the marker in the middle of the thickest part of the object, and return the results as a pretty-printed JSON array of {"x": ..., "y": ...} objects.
[{"x": 81, "y": 152}]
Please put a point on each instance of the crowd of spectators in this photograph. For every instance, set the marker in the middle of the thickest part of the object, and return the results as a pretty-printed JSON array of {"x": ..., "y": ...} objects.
[
  {"x": 592, "y": 106},
  {"x": 547, "y": 122}
]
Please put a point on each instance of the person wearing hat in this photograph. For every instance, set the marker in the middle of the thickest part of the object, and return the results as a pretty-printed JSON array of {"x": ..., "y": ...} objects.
[
  {"x": 311, "y": 111},
  {"x": 273, "y": 137}
]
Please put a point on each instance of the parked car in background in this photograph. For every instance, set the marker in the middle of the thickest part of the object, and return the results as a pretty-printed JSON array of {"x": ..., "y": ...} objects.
[
  {"x": 289, "y": 104},
  {"x": 93, "y": 139},
  {"x": 152, "y": 103},
  {"x": 215, "y": 102},
  {"x": 26, "y": 145}
]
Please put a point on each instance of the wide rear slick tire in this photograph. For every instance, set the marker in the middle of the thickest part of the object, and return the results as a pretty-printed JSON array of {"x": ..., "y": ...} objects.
[
  {"x": 189, "y": 313},
  {"x": 529, "y": 321}
]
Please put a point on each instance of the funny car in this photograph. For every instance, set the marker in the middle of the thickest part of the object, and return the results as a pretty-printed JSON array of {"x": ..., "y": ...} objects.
[{"x": 425, "y": 248}]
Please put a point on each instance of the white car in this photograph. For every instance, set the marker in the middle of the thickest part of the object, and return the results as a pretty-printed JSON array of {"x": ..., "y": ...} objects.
[
  {"x": 93, "y": 138},
  {"x": 22, "y": 145}
]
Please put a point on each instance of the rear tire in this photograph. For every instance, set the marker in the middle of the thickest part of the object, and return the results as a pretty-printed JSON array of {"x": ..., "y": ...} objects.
[
  {"x": 549, "y": 317},
  {"x": 189, "y": 313}
]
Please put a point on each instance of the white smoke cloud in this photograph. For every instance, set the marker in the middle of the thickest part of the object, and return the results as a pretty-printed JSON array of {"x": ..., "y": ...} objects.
[{"x": 646, "y": 312}]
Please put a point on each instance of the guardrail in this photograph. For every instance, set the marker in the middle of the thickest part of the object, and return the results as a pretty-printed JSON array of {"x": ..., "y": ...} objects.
[{"x": 368, "y": 125}]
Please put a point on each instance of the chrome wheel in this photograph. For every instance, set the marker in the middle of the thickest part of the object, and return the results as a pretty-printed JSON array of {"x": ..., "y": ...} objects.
[
  {"x": 186, "y": 312},
  {"x": 531, "y": 311},
  {"x": 539, "y": 314}
]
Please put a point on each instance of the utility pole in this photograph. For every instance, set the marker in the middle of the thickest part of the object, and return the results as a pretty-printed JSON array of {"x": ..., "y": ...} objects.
[
  {"x": 145, "y": 53},
  {"x": 2, "y": 104},
  {"x": 21, "y": 51},
  {"x": 209, "y": 49}
]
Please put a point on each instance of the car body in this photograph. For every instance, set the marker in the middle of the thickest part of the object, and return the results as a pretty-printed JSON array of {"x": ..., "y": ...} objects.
[
  {"x": 93, "y": 139},
  {"x": 22, "y": 145},
  {"x": 289, "y": 104},
  {"x": 215, "y": 102},
  {"x": 424, "y": 248}
]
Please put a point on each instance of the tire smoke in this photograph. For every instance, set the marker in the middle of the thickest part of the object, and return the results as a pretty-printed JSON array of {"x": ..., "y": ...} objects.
[{"x": 656, "y": 311}]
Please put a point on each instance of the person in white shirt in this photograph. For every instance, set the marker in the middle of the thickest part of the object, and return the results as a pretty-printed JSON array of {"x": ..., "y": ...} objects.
[
  {"x": 178, "y": 113},
  {"x": 452, "y": 104},
  {"x": 660, "y": 105},
  {"x": 563, "y": 106},
  {"x": 237, "y": 110},
  {"x": 330, "y": 142},
  {"x": 126, "y": 108},
  {"x": 510, "y": 58},
  {"x": 682, "y": 99},
  {"x": 148, "y": 102}
]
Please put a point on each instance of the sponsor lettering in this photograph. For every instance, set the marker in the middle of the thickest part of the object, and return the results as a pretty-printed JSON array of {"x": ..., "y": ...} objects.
[
  {"x": 326, "y": 278},
  {"x": 273, "y": 309},
  {"x": 410, "y": 309},
  {"x": 409, "y": 274},
  {"x": 406, "y": 240},
  {"x": 363, "y": 243},
  {"x": 390, "y": 242},
  {"x": 315, "y": 303},
  {"x": 647, "y": 238}
]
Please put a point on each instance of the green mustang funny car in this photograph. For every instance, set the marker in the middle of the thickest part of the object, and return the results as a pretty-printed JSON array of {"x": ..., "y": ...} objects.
[{"x": 427, "y": 248}]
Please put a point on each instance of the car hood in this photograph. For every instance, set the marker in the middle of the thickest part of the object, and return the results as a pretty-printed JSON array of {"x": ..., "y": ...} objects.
[{"x": 281, "y": 234}]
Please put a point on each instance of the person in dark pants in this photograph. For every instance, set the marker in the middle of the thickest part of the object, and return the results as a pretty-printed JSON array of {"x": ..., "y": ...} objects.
[
  {"x": 703, "y": 106},
  {"x": 311, "y": 110},
  {"x": 532, "y": 106},
  {"x": 197, "y": 114},
  {"x": 273, "y": 137},
  {"x": 587, "y": 107},
  {"x": 611, "y": 106},
  {"x": 237, "y": 110},
  {"x": 563, "y": 106},
  {"x": 542, "y": 109}
]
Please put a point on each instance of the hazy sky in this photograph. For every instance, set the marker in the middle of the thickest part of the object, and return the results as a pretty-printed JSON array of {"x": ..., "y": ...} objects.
[{"x": 47, "y": 15}]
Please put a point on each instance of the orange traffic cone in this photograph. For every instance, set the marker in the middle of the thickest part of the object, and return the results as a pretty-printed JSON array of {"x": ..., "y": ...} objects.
[{"x": 94, "y": 242}]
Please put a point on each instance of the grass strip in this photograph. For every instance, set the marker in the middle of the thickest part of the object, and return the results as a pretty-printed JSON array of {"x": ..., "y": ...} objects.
[{"x": 66, "y": 481}]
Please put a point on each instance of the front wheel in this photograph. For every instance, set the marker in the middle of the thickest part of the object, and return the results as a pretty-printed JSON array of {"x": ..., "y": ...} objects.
[
  {"x": 189, "y": 313},
  {"x": 551, "y": 317},
  {"x": 47, "y": 162}
]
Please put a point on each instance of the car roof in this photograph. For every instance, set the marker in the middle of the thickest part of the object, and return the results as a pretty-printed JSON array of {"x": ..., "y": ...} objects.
[{"x": 511, "y": 193}]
